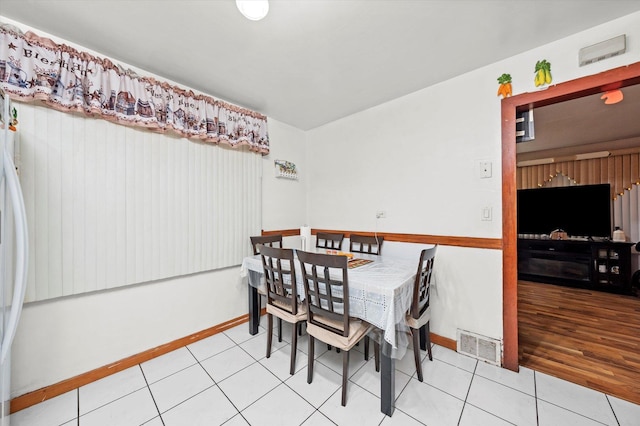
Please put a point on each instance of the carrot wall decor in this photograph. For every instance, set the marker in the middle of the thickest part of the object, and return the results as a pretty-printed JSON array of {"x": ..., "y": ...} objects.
[{"x": 505, "y": 85}]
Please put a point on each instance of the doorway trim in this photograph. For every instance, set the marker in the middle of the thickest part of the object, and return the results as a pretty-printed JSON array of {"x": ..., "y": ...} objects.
[{"x": 608, "y": 80}]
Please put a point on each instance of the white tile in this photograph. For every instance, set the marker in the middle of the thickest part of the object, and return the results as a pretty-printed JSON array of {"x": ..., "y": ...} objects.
[
  {"x": 325, "y": 383},
  {"x": 407, "y": 363},
  {"x": 579, "y": 399},
  {"x": 454, "y": 358},
  {"x": 256, "y": 346},
  {"x": 318, "y": 419},
  {"x": 167, "y": 364},
  {"x": 131, "y": 410},
  {"x": 237, "y": 420},
  {"x": 522, "y": 381},
  {"x": 362, "y": 407},
  {"x": 502, "y": 401},
  {"x": 179, "y": 387},
  {"x": 627, "y": 413},
  {"x": 110, "y": 388},
  {"x": 209, "y": 407},
  {"x": 240, "y": 333},
  {"x": 446, "y": 377},
  {"x": 212, "y": 345},
  {"x": 156, "y": 421},
  {"x": 333, "y": 360},
  {"x": 279, "y": 363},
  {"x": 429, "y": 405},
  {"x": 400, "y": 419},
  {"x": 281, "y": 406},
  {"x": 246, "y": 386},
  {"x": 368, "y": 378},
  {"x": 319, "y": 349},
  {"x": 552, "y": 415},
  {"x": 57, "y": 410},
  {"x": 227, "y": 363},
  {"x": 473, "y": 416}
]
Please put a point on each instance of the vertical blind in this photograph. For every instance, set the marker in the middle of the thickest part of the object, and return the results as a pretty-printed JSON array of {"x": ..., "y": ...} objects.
[{"x": 109, "y": 205}]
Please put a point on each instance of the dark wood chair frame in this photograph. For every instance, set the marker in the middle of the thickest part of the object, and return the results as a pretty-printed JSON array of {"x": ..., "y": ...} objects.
[
  {"x": 280, "y": 278},
  {"x": 420, "y": 304},
  {"x": 327, "y": 298},
  {"x": 266, "y": 240},
  {"x": 365, "y": 244},
  {"x": 329, "y": 240}
]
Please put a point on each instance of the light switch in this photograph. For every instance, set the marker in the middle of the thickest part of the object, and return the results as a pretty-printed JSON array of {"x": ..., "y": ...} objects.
[
  {"x": 485, "y": 169},
  {"x": 486, "y": 213}
]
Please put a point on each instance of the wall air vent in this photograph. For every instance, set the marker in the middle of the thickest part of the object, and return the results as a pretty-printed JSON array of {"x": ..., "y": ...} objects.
[
  {"x": 603, "y": 50},
  {"x": 480, "y": 347}
]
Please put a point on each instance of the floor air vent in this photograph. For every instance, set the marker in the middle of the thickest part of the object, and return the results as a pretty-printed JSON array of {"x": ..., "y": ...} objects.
[{"x": 480, "y": 347}]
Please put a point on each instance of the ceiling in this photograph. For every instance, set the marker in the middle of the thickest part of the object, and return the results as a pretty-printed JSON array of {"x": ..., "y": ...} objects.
[{"x": 314, "y": 61}]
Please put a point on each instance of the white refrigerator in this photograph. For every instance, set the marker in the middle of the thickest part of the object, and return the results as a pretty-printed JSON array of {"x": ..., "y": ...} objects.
[{"x": 14, "y": 250}]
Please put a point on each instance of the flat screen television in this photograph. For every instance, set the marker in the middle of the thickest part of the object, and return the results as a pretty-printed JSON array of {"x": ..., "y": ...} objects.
[{"x": 580, "y": 211}]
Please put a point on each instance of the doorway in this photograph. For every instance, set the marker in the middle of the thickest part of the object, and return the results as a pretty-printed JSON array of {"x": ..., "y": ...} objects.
[{"x": 574, "y": 89}]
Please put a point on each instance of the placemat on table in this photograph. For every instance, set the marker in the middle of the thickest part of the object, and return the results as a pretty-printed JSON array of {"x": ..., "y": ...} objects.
[{"x": 354, "y": 263}]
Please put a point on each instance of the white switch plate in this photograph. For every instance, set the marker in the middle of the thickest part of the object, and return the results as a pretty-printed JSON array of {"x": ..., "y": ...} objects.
[
  {"x": 486, "y": 214},
  {"x": 485, "y": 169}
]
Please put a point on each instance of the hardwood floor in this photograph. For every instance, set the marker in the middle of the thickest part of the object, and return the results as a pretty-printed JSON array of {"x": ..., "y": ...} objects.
[{"x": 586, "y": 337}]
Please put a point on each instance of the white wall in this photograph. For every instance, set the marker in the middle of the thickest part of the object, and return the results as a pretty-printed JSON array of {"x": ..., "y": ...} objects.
[{"x": 417, "y": 158}]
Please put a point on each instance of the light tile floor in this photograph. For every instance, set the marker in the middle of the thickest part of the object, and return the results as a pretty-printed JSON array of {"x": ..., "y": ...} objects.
[{"x": 226, "y": 379}]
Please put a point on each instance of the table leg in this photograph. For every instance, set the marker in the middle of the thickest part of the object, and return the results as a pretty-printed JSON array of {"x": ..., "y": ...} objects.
[
  {"x": 254, "y": 310},
  {"x": 387, "y": 379},
  {"x": 423, "y": 337}
]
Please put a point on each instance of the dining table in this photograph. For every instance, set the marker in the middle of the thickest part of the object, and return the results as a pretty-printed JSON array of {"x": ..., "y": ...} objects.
[{"x": 380, "y": 293}]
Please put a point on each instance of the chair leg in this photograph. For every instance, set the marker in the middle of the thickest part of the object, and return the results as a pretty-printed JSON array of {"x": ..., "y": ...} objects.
[
  {"x": 269, "y": 333},
  {"x": 366, "y": 348},
  {"x": 428, "y": 340},
  {"x": 376, "y": 355},
  {"x": 416, "y": 352},
  {"x": 294, "y": 347},
  {"x": 345, "y": 375},
  {"x": 279, "y": 329},
  {"x": 310, "y": 363}
]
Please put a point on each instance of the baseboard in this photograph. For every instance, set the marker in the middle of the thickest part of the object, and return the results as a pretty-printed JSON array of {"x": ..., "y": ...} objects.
[
  {"x": 444, "y": 341},
  {"x": 48, "y": 392}
]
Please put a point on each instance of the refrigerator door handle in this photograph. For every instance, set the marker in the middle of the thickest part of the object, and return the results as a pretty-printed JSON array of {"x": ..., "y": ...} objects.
[{"x": 22, "y": 253}]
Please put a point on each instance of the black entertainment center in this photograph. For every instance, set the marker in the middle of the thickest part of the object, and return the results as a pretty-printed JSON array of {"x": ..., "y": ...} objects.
[{"x": 583, "y": 255}]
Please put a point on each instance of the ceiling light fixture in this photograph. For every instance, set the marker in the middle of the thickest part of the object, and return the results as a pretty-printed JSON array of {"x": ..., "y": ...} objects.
[
  {"x": 254, "y": 10},
  {"x": 612, "y": 97}
]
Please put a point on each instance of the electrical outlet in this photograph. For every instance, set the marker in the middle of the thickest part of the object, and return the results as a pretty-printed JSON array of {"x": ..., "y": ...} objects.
[
  {"x": 381, "y": 214},
  {"x": 485, "y": 169}
]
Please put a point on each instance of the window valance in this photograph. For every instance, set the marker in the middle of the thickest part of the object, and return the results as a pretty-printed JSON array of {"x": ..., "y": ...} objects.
[
  {"x": 33, "y": 67},
  {"x": 620, "y": 171}
]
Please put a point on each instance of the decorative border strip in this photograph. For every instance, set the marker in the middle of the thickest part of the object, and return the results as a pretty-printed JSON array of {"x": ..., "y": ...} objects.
[{"x": 471, "y": 242}]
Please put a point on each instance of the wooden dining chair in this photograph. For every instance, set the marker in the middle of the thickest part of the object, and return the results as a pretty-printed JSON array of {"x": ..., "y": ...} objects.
[
  {"x": 420, "y": 312},
  {"x": 282, "y": 295},
  {"x": 326, "y": 289},
  {"x": 365, "y": 244},
  {"x": 329, "y": 240},
  {"x": 266, "y": 240}
]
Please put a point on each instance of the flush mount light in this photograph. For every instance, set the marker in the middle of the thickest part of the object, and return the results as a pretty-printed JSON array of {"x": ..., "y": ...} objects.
[
  {"x": 254, "y": 10},
  {"x": 612, "y": 97}
]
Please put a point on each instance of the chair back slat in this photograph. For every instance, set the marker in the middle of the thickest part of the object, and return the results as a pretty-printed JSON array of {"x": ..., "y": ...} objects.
[
  {"x": 280, "y": 277},
  {"x": 365, "y": 244},
  {"x": 265, "y": 240},
  {"x": 422, "y": 285},
  {"x": 326, "y": 287},
  {"x": 329, "y": 240}
]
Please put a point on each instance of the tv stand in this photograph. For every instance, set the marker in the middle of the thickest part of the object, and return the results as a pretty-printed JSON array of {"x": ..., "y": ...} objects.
[{"x": 598, "y": 265}]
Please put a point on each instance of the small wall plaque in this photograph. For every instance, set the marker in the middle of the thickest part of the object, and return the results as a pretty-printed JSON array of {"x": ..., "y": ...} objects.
[{"x": 285, "y": 169}]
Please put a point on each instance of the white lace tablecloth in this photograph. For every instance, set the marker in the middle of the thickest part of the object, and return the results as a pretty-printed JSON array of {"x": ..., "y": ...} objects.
[{"x": 379, "y": 292}]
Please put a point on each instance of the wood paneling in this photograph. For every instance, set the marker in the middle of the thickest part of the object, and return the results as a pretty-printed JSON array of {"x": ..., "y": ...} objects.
[{"x": 586, "y": 337}]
